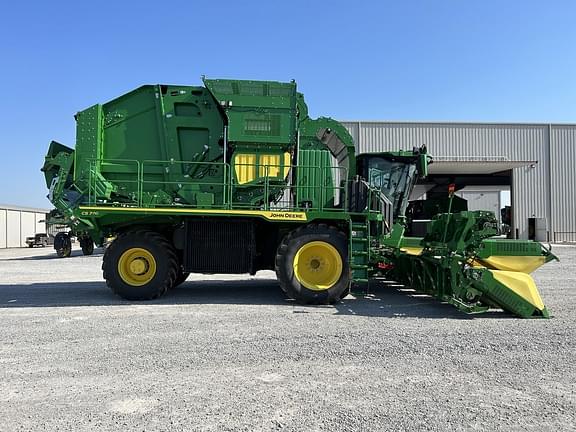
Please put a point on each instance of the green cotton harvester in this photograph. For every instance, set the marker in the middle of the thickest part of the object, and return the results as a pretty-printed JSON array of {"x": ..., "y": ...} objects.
[{"x": 235, "y": 177}]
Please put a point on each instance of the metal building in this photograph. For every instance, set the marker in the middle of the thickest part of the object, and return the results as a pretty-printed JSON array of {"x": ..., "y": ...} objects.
[
  {"x": 17, "y": 223},
  {"x": 536, "y": 161}
]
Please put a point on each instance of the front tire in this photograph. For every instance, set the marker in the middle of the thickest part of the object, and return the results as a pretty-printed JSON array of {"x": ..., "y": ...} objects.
[
  {"x": 140, "y": 265},
  {"x": 312, "y": 264}
]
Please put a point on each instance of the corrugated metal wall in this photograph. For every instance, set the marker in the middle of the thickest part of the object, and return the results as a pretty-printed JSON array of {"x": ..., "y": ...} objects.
[
  {"x": 563, "y": 182},
  {"x": 533, "y": 186}
]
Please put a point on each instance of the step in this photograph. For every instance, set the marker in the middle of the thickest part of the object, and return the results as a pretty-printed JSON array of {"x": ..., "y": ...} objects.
[
  {"x": 359, "y": 229},
  {"x": 355, "y": 258},
  {"x": 356, "y": 234},
  {"x": 359, "y": 266},
  {"x": 358, "y": 225},
  {"x": 360, "y": 280},
  {"x": 359, "y": 239}
]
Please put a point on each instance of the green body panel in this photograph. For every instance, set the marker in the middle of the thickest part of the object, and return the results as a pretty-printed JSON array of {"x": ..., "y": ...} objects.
[
  {"x": 504, "y": 247},
  {"x": 257, "y": 111},
  {"x": 499, "y": 294},
  {"x": 138, "y": 143},
  {"x": 59, "y": 156},
  {"x": 88, "y": 141},
  {"x": 325, "y": 133},
  {"x": 230, "y": 145},
  {"x": 462, "y": 232},
  {"x": 446, "y": 267},
  {"x": 314, "y": 168}
]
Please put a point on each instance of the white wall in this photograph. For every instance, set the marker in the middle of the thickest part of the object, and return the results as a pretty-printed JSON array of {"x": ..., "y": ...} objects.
[
  {"x": 40, "y": 222},
  {"x": 483, "y": 201},
  {"x": 27, "y": 226},
  {"x": 16, "y": 225},
  {"x": 2, "y": 228},
  {"x": 482, "y": 198},
  {"x": 13, "y": 228}
]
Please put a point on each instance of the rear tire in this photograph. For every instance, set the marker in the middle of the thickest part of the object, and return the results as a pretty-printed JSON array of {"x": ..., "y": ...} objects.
[
  {"x": 140, "y": 265},
  {"x": 181, "y": 277},
  {"x": 87, "y": 246},
  {"x": 63, "y": 245},
  {"x": 312, "y": 264}
]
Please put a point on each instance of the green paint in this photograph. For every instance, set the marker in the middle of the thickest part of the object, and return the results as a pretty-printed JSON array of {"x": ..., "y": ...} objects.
[{"x": 248, "y": 149}]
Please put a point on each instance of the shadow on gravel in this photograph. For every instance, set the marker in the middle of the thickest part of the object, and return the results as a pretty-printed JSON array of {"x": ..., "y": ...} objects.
[
  {"x": 51, "y": 256},
  {"x": 383, "y": 300}
]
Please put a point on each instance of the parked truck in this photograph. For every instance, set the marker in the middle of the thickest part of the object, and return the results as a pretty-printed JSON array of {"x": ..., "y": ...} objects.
[
  {"x": 40, "y": 239},
  {"x": 235, "y": 177}
]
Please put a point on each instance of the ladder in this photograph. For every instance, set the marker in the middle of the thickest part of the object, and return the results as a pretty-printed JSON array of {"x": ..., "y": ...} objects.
[{"x": 359, "y": 254}]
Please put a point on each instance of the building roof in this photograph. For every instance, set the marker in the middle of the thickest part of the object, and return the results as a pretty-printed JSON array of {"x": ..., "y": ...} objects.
[
  {"x": 20, "y": 208},
  {"x": 458, "y": 123}
]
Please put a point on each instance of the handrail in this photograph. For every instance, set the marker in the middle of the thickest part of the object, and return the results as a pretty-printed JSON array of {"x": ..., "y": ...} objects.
[{"x": 271, "y": 191}]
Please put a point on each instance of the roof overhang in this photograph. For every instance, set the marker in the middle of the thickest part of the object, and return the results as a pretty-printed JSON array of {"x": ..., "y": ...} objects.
[{"x": 463, "y": 167}]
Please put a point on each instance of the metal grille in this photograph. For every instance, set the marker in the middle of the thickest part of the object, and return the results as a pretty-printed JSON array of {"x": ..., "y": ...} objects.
[
  {"x": 226, "y": 246},
  {"x": 265, "y": 125}
]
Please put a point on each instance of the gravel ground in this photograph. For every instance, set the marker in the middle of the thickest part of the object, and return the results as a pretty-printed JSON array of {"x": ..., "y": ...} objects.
[{"x": 225, "y": 353}]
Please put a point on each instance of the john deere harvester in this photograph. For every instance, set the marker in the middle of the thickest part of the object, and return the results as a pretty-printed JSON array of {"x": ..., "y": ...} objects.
[{"x": 235, "y": 177}]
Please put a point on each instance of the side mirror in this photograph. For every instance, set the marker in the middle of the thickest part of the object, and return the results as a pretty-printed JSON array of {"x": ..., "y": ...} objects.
[{"x": 422, "y": 165}]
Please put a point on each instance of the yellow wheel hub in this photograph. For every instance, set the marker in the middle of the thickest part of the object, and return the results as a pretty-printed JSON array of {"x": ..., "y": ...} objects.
[
  {"x": 318, "y": 265},
  {"x": 137, "y": 266}
]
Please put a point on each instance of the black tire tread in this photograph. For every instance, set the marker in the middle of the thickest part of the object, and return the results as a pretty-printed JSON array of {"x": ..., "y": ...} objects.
[
  {"x": 152, "y": 236},
  {"x": 88, "y": 249},
  {"x": 284, "y": 248},
  {"x": 181, "y": 277}
]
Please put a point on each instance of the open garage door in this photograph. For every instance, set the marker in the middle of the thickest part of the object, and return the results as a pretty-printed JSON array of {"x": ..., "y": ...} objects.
[{"x": 480, "y": 185}]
